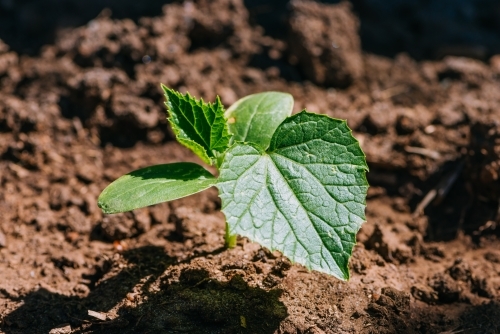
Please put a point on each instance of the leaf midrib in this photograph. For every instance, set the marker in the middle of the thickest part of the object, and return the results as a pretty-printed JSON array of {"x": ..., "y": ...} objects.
[
  {"x": 157, "y": 184},
  {"x": 307, "y": 214},
  {"x": 207, "y": 145}
]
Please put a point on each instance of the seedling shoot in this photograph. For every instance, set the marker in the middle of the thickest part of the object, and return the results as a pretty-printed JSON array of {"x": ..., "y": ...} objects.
[{"x": 293, "y": 183}]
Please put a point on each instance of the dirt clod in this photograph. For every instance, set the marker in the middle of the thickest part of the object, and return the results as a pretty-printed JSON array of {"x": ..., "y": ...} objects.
[{"x": 329, "y": 50}]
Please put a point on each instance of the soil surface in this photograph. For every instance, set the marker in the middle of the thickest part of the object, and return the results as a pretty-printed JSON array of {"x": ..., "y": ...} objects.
[{"x": 86, "y": 107}]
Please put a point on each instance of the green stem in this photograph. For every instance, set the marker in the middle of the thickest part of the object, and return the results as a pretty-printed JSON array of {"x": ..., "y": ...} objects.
[
  {"x": 219, "y": 157},
  {"x": 230, "y": 239}
]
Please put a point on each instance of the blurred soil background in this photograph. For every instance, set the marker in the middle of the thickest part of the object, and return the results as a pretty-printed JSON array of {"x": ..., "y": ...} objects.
[{"x": 80, "y": 104}]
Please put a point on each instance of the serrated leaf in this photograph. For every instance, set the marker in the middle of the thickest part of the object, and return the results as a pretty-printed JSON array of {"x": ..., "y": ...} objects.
[
  {"x": 199, "y": 126},
  {"x": 304, "y": 196},
  {"x": 153, "y": 185},
  {"x": 255, "y": 118}
]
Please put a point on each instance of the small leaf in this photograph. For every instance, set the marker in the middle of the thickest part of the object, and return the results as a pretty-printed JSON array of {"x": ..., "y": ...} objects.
[
  {"x": 254, "y": 118},
  {"x": 199, "y": 126},
  {"x": 153, "y": 185},
  {"x": 305, "y": 196}
]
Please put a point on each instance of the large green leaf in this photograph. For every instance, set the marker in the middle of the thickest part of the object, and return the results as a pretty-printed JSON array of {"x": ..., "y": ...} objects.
[
  {"x": 197, "y": 125},
  {"x": 254, "y": 118},
  {"x": 153, "y": 185},
  {"x": 304, "y": 196}
]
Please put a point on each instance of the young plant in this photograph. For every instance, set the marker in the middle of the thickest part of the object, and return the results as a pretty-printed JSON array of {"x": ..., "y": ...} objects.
[{"x": 292, "y": 183}]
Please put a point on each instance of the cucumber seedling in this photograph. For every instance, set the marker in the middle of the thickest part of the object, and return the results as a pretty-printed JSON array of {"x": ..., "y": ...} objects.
[{"x": 296, "y": 184}]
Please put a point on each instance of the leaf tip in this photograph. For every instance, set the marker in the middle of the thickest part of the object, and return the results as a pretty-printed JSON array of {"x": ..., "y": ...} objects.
[
  {"x": 167, "y": 92},
  {"x": 103, "y": 206}
]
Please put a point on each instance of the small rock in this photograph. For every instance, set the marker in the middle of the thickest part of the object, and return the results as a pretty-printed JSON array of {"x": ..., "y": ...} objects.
[
  {"x": 132, "y": 296},
  {"x": 72, "y": 236}
]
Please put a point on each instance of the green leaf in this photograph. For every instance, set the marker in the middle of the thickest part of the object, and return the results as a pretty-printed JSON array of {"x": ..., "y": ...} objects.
[
  {"x": 304, "y": 196},
  {"x": 153, "y": 185},
  {"x": 254, "y": 118},
  {"x": 199, "y": 126}
]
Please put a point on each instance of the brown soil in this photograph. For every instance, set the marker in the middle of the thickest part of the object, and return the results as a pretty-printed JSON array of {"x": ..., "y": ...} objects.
[{"x": 88, "y": 108}]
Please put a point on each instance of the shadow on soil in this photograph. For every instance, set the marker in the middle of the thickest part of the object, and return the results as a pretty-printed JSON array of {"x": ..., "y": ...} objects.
[
  {"x": 424, "y": 29},
  {"x": 481, "y": 319},
  {"x": 28, "y": 25},
  {"x": 195, "y": 304},
  {"x": 461, "y": 205},
  {"x": 470, "y": 201}
]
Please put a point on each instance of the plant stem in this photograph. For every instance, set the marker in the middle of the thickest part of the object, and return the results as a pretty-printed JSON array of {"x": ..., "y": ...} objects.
[{"x": 230, "y": 239}]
